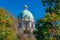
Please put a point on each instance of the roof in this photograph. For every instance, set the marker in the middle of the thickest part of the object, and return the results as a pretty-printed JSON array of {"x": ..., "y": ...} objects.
[{"x": 26, "y": 14}]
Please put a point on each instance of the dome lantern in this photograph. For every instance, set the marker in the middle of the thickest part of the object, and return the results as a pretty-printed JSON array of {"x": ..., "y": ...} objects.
[{"x": 25, "y": 7}]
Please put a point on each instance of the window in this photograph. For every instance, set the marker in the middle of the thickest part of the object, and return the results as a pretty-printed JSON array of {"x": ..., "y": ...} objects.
[
  {"x": 26, "y": 24},
  {"x": 25, "y": 16},
  {"x": 32, "y": 25},
  {"x": 19, "y": 25}
]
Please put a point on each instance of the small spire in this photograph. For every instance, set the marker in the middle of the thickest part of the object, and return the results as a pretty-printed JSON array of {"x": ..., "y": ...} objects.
[{"x": 25, "y": 7}]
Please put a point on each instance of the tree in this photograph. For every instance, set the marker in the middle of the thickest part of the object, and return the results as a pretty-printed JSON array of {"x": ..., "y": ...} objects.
[
  {"x": 52, "y": 5},
  {"x": 48, "y": 27},
  {"x": 6, "y": 26}
]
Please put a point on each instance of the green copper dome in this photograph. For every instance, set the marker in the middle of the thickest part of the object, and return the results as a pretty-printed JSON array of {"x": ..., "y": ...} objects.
[{"x": 25, "y": 14}]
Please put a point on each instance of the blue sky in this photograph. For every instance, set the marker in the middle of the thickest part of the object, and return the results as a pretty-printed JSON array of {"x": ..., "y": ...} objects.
[{"x": 16, "y": 6}]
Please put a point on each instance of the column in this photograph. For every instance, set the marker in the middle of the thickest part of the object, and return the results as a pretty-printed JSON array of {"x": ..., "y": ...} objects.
[{"x": 30, "y": 24}]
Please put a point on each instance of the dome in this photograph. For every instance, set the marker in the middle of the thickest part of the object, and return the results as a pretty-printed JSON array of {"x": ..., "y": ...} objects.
[{"x": 25, "y": 14}]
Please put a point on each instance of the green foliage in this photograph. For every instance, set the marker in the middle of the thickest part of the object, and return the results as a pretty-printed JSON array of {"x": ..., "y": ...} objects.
[
  {"x": 52, "y": 5},
  {"x": 51, "y": 18},
  {"x": 6, "y": 26},
  {"x": 48, "y": 28},
  {"x": 50, "y": 21}
]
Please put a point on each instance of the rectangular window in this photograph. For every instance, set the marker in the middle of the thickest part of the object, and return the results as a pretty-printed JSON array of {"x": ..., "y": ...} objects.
[{"x": 19, "y": 25}]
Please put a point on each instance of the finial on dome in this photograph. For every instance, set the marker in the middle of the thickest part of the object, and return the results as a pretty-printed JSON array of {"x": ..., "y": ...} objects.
[{"x": 25, "y": 7}]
